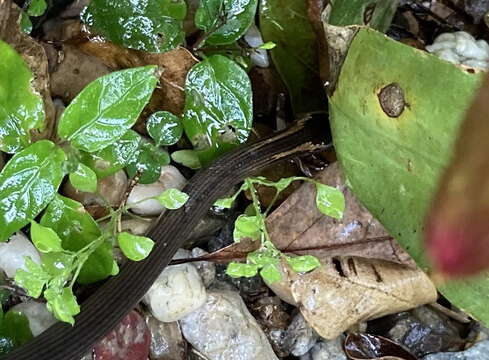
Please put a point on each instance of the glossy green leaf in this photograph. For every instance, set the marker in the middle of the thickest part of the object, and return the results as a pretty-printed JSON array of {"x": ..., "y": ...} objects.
[
  {"x": 135, "y": 248},
  {"x": 247, "y": 227},
  {"x": 14, "y": 331},
  {"x": 165, "y": 128},
  {"x": 151, "y": 25},
  {"x": 62, "y": 304},
  {"x": 57, "y": 263},
  {"x": 303, "y": 263},
  {"x": 269, "y": 45},
  {"x": 377, "y": 14},
  {"x": 270, "y": 273},
  {"x": 25, "y": 23},
  {"x": 225, "y": 203},
  {"x": 44, "y": 238},
  {"x": 21, "y": 109},
  {"x": 218, "y": 106},
  {"x": 236, "y": 269},
  {"x": 393, "y": 164},
  {"x": 330, "y": 201},
  {"x": 188, "y": 158},
  {"x": 28, "y": 183},
  {"x": 106, "y": 108},
  {"x": 33, "y": 279},
  {"x": 37, "y": 7},
  {"x": 225, "y": 21},
  {"x": 116, "y": 156},
  {"x": 295, "y": 55},
  {"x": 172, "y": 199},
  {"x": 84, "y": 179},
  {"x": 149, "y": 163},
  {"x": 262, "y": 258},
  {"x": 77, "y": 228}
]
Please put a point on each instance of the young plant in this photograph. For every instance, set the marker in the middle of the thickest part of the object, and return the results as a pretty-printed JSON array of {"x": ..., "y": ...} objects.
[{"x": 266, "y": 260}]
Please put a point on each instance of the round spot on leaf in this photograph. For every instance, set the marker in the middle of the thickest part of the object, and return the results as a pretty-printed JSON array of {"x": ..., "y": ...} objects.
[{"x": 392, "y": 100}]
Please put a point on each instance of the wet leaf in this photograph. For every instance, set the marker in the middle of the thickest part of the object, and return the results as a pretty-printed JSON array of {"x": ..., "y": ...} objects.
[
  {"x": 188, "y": 158},
  {"x": 236, "y": 270},
  {"x": 135, "y": 248},
  {"x": 152, "y": 26},
  {"x": 330, "y": 201},
  {"x": 149, "y": 163},
  {"x": 218, "y": 106},
  {"x": 165, "y": 128},
  {"x": 371, "y": 347},
  {"x": 225, "y": 21},
  {"x": 32, "y": 280},
  {"x": 21, "y": 109},
  {"x": 14, "y": 327},
  {"x": 77, "y": 228},
  {"x": 84, "y": 179},
  {"x": 247, "y": 227},
  {"x": 172, "y": 199},
  {"x": 62, "y": 304},
  {"x": 303, "y": 263},
  {"x": 44, "y": 238},
  {"x": 25, "y": 23},
  {"x": 116, "y": 156},
  {"x": 104, "y": 111},
  {"x": 37, "y": 7},
  {"x": 270, "y": 273},
  {"x": 28, "y": 183},
  {"x": 295, "y": 55},
  {"x": 410, "y": 150},
  {"x": 374, "y": 13}
]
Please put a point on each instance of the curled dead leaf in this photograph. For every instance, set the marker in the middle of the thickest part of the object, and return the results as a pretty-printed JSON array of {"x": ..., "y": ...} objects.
[
  {"x": 371, "y": 347},
  {"x": 35, "y": 57}
]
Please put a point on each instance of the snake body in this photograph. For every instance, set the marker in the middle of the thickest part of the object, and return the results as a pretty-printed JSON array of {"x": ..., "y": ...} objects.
[{"x": 105, "y": 308}]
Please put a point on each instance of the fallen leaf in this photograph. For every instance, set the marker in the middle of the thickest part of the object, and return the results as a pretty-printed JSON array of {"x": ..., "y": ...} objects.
[
  {"x": 298, "y": 224},
  {"x": 35, "y": 57},
  {"x": 370, "y": 347}
]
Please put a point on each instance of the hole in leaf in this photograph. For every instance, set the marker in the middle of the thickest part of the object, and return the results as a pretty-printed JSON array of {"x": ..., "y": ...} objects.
[{"x": 338, "y": 267}]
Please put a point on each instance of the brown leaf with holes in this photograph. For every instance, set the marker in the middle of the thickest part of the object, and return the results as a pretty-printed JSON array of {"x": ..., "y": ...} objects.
[
  {"x": 364, "y": 273},
  {"x": 35, "y": 57},
  {"x": 372, "y": 347}
]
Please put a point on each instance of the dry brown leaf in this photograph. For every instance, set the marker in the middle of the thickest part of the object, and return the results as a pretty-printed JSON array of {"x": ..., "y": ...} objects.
[
  {"x": 360, "y": 279},
  {"x": 372, "y": 347},
  {"x": 298, "y": 224},
  {"x": 35, "y": 57}
]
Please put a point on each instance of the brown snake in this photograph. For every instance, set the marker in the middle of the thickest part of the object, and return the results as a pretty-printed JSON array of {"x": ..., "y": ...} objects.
[{"x": 104, "y": 309}]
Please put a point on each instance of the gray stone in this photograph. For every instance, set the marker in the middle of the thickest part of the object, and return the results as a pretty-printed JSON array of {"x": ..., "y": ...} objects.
[
  {"x": 328, "y": 350},
  {"x": 479, "y": 351},
  {"x": 223, "y": 329},
  {"x": 300, "y": 336},
  {"x": 206, "y": 269},
  {"x": 167, "y": 342}
]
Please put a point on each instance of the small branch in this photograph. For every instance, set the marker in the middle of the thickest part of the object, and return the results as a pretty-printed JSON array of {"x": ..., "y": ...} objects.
[{"x": 450, "y": 313}]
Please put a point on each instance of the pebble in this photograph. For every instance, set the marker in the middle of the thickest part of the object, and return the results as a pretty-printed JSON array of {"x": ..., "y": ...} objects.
[
  {"x": 12, "y": 254},
  {"x": 178, "y": 291},
  {"x": 40, "y": 319},
  {"x": 259, "y": 57},
  {"x": 479, "y": 351},
  {"x": 170, "y": 178},
  {"x": 300, "y": 336},
  {"x": 327, "y": 350},
  {"x": 461, "y": 48},
  {"x": 223, "y": 329},
  {"x": 167, "y": 342},
  {"x": 206, "y": 269}
]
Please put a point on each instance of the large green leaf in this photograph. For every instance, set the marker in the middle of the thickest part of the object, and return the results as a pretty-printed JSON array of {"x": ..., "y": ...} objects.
[
  {"x": 150, "y": 25},
  {"x": 149, "y": 162},
  {"x": 218, "y": 106},
  {"x": 295, "y": 56},
  {"x": 393, "y": 163},
  {"x": 21, "y": 109},
  {"x": 28, "y": 183},
  {"x": 77, "y": 228},
  {"x": 104, "y": 111},
  {"x": 225, "y": 21},
  {"x": 377, "y": 14}
]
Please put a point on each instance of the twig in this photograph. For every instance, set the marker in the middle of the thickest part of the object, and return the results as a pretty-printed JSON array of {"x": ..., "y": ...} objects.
[{"x": 450, "y": 313}]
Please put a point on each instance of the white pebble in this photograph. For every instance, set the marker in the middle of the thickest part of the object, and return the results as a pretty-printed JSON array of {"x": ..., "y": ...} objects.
[
  {"x": 38, "y": 315},
  {"x": 178, "y": 291},
  {"x": 12, "y": 254},
  {"x": 461, "y": 48},
  {"x": 170, "y": 177},
  {"x": 259, "y": 57}
]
